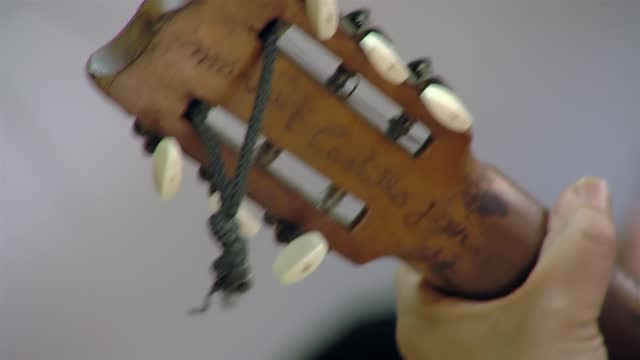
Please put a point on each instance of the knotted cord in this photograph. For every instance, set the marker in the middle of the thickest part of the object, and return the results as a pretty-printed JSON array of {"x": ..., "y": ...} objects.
[{"x": 231, "y": 269}]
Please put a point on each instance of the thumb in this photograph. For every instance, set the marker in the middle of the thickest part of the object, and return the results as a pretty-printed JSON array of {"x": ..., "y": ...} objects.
[{"x": 579, "y": 251}]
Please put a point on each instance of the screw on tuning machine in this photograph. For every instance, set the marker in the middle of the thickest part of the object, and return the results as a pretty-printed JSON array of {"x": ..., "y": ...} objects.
[
  {"x": 421, "y": 71},
  {"x": 356, "y": 21}
]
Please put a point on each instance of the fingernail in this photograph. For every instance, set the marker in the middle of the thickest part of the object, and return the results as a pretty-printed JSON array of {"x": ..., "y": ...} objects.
[{"x": 594, "y": 191}]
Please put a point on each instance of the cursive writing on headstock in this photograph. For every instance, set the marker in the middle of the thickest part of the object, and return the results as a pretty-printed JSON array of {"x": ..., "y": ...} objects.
[
  {"x": 332, "y": 141},
  {"x": 211, "y": 60}
]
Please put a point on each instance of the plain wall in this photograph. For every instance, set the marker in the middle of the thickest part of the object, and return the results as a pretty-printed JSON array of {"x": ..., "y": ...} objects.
[{"x": 94, "y": 266}]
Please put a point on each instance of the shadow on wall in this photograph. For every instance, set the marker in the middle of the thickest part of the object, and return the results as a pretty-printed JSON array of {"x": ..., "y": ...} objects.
[
  {"x": 370, "y": 338},
  {"x": 363, "y": 328}
]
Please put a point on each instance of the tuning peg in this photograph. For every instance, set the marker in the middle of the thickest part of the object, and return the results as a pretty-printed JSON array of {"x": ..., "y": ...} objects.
[
  {"x": 300, "y": 258},
  {"x": 324, "y": 17},
  {"x": 384, "y": 58},
  {"x": 249, "y": 224},
  {"x": 167, "y": 164},
  {"x": 447, "y": 108}
]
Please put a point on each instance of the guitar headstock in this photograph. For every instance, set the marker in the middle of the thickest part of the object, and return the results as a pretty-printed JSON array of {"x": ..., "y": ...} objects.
[{"x": 470, "y": 230}]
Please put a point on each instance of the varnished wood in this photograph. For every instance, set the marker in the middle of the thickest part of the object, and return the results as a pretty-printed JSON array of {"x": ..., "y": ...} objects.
[{"x": 471, "y": 230}]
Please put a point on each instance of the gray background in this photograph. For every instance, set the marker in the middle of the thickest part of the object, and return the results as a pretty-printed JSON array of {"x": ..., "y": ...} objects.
[{"x": 94, "y": 266}]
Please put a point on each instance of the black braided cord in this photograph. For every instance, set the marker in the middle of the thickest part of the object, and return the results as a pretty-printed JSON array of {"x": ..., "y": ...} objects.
[{"x": 231, "y": 269}]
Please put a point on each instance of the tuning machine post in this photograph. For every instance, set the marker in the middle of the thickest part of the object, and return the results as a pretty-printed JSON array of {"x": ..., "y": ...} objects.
[{"x": 266, "y": 154}]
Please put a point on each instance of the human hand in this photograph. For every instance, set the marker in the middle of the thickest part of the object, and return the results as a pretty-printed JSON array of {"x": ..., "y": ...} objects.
[{"x": 553, "y": 315}]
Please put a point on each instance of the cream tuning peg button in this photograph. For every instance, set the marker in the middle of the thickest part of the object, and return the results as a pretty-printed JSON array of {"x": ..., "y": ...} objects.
[
  {"x": 384, "y": 58},
  {"x": 300, "y": 258},
  {"x": 447, "y": 108},
  {"x": 167, "y": 167},
  {"x": 324, "y": 17},
  {"x": 249, "y": 224}
]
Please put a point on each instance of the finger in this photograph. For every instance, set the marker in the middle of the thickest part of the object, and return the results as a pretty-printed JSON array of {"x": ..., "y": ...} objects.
[
  {"x": 576, "y": 264},
  {"x": 630, "y": 249},
  {"x": 567, "y": 202},
  {"x": 414, "y": 297}
]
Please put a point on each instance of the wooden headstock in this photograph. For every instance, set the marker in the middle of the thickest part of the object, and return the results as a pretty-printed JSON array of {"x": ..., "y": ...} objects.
[
  {"x": 470, "y": 230},
  {"x": 437, "y": 208}
]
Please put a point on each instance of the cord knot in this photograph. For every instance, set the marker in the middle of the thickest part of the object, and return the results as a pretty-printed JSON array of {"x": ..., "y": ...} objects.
[
  {"x": 225, "y": 228},
  {"x": 232, "y": 271}
]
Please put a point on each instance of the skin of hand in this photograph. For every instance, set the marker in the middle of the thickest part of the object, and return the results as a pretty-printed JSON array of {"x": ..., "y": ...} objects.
[
  {"x": 629, "y": 259},
  {"x": 553, "y": 315}
]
